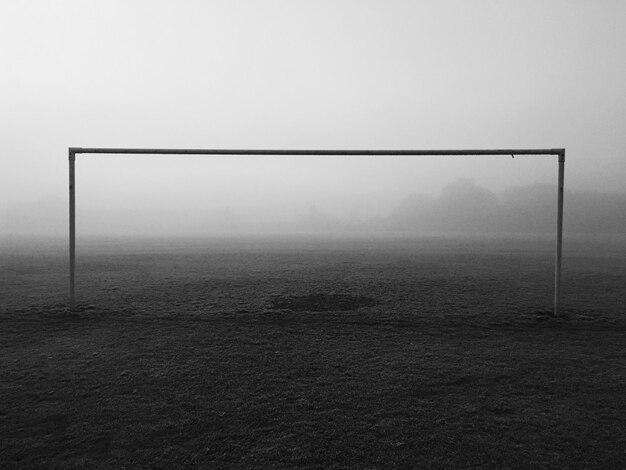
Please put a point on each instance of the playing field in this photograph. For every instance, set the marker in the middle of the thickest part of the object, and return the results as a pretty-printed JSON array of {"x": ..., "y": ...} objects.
[{"x": 432, "y": 352}]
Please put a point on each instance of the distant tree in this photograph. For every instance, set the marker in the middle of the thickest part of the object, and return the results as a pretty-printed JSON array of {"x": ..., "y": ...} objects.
[{"x": 464, "y": 206}]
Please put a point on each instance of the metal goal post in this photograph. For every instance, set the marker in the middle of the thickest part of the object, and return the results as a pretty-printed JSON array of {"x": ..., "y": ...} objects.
[{"x": 559, "y": 152}]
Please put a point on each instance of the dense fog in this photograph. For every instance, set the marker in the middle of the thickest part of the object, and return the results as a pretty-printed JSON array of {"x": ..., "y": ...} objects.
[
  {"x": 309, "y": 75},
  {"x": 462, "y": 206}
]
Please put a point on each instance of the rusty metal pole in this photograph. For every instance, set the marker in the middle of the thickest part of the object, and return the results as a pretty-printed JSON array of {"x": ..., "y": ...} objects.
[
  {"x": 559, "y": 235},
  {"x": 72, "y": 158}
]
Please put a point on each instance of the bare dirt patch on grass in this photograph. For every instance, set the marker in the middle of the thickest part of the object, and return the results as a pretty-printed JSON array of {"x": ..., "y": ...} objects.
[{"x": 321, "y": 302}]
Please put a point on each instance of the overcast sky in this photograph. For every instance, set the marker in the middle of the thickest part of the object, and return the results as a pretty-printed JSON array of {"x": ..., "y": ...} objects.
[{"x": 305, "y": 74}]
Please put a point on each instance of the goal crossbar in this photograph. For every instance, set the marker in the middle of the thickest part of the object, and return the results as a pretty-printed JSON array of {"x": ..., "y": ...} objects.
[
  {"x": 301, "y": 152},
  {"x": 559, "y": 152}
]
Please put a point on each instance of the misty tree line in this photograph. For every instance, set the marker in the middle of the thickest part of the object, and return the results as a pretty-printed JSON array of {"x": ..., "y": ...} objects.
[{"x": 464, "y": 206}]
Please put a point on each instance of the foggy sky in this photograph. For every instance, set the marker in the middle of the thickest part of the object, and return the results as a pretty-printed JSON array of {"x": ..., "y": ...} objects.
[{"x": 296, "y": 74}]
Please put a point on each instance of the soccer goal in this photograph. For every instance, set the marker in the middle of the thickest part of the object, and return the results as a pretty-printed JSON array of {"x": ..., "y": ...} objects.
[{"x": 559, "y": 152}]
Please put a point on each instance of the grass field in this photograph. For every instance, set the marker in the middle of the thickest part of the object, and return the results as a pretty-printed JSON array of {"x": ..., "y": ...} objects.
[{"x": 312, "y": 353}]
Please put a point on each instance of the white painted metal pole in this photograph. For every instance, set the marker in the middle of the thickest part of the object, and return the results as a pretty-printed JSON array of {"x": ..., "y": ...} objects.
[
  {"x": 559, "y": 236},
  {"x": 72, "y": 158},
  {"x": 145, "y": 151}
]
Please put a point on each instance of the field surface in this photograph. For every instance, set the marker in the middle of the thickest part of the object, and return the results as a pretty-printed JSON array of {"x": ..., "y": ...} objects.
[{"x": 312, "y": 353}]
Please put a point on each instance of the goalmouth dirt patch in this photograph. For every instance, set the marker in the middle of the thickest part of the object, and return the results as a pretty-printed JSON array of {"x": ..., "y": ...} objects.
[{"x": 321, "y": 302}]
